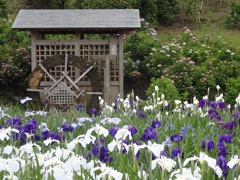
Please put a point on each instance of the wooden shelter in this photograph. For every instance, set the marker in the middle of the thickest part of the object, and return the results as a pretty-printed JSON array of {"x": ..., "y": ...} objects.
[{"x": 66, "y": 69}]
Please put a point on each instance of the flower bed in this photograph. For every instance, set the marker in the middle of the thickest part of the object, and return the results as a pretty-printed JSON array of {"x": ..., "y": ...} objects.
[{"x": 131, "y": 139}]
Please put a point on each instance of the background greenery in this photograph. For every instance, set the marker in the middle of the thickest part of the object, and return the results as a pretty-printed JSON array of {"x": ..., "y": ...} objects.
[{"x": 194, "y": 44}]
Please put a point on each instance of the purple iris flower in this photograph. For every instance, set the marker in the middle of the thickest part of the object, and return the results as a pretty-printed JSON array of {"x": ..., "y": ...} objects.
[
  {"x": 212, "y": 104},
  {"x": 14, "y": 122},
  {"x": 225, "y": 138},
  {"x": 163, "y": 153},
  {"x": 221, "y": 105},
  {"x": 175, "y": 138},
  {"x": 208, "y": 143},
  {"x": 113, "y": 130},
  {"x": 30, "y": 126},
  {"x": 104, "y": 157},
  {"x": 132, "y": 129},
  {"x": 222, "y": 150},
  {"x": 149, "y": 134},
  {"x": 236, "y": 116},
  {"x": 67, "y": 128},
  {"x": 184, "y": 130},
  {"x": 222, "y": 163},
  {"x": 156, "y": 124},
  {"x": 80, "y": 107},
  {"x": 213, "y": 114},
  {"x": 141, "y": 115},
  {"x": 177, "y": 151},
  {"x": 127, "y": 143},
  {"x": 1, "y": 126},
  {"x": 95, "y": 150},
  {"x": 94, "y": 112},
  {"x": 228, "y": 125},
  {"x": 131, "y": 101},
  {"x": 202, "y": 103},
  {"x": 56, "y": 136},
  {"x": 45, "y": 135}
]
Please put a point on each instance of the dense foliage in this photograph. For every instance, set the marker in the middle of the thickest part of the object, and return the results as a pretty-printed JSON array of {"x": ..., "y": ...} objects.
[
  {"x": 194, "y": 64},
  {"x": 234, "y": 18},
  {"x": 15, "y": 61}
]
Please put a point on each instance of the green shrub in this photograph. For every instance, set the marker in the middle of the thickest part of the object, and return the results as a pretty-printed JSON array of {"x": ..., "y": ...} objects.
[
  {"x": 165, "y": 86},
  {"x": 138, "y": 47},
  {"x": 234, "y": 17},
  {"x": 232, "y": 90}
]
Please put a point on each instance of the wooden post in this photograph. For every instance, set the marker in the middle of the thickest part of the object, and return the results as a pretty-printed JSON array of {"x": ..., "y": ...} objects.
[
  {"x": 77, "y": 52},
  {"x": 33, "y": 50},
  {"x": 107, "y": 80},
  {"x": 120, "y": 59},
  {"x": 113, "y": 52}
]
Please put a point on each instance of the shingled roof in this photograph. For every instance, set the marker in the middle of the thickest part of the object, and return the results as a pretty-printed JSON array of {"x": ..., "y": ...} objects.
[{"x": 77, "y": 19}]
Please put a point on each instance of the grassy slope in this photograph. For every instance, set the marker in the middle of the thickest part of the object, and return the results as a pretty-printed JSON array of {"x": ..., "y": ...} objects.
[{"x": 213, "y": 24}]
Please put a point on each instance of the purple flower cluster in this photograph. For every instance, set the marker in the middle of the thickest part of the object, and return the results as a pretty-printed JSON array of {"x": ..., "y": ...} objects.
[
  {"x": 67, "y": 128},
  {"x": 228, "y": 125},
  {"x": 113, "y": 131},
  {"x": 208, "y": 143},
  {"x": 103, "y": 154},
  {"x": 176, "y": 138},
  {"x": 31, "y": 128},
  {"x": 149, "y": 134},
  {"x": 94, "y": 112},
  {"x": 222, "y": 152},
  {"x": 80, "y": 107},
  {"x": 177, "y": 151},
  {"x": 213, "y": 113}
]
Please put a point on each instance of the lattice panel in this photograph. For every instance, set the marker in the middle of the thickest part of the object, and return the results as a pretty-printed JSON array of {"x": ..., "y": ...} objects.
[
  {"x": 43, "y": 51},
  {"x": 114, "y": 70},
  {"x": 61, "y": 95},
  {"x": 88, "y": 50}
]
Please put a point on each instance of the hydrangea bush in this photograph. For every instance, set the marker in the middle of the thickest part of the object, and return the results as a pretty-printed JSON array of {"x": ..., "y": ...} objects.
[
  {"x": 15, "y": 68},
  {"x": 195, "y": 64},
  {"x": 125, "y": 140}
]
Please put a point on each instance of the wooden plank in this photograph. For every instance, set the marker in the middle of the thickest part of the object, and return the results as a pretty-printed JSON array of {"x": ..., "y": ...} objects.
[
  {"x": 78, "y": 95},
  {"x": 72, "y": 83},
  {"x": 44, "y": 69},
  {"x": 94, "y": 42},
  {"x": 94, "y": 93},
  {"x": 57, "y": 82},
  {"x": 83, "y": 74},
  {"x": 120, "y": 73},
  {"x": 35, "y": 90},
  {"x": 54, "y": 42}
]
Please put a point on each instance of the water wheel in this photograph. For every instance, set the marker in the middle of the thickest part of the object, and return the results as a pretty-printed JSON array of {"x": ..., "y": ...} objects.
[{"x": 65, "y": 91}]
